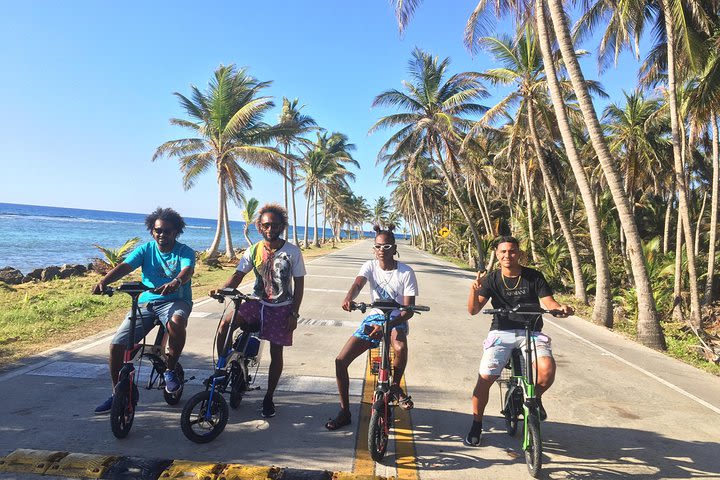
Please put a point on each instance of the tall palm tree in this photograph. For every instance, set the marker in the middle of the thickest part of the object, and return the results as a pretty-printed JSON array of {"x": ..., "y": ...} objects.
[
  {"x": 380, "y": 212},
  {"x": 227, "y": 119},
  {"x": 433, "y": 119},
  {"x": 248, "y": 216},
  {"x": 291, "y": 128}
]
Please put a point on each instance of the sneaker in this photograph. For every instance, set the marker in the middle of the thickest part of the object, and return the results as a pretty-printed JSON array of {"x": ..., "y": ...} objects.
[
  {"x": 541, "y": 411},
  {"x": 104, "y": 407},
  {"x": 172, "y": 383},
  {"x": 268, "y": 409},
  {"x": 472, "y": 439}
]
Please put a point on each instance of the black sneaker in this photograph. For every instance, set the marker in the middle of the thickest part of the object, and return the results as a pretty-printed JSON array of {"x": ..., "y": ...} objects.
[
  {"x": 104, "y": 407},
  {"x": 541, "y": 410},
  {"x": 268, "y": 409},
  {"x": 472, "y": 439}
]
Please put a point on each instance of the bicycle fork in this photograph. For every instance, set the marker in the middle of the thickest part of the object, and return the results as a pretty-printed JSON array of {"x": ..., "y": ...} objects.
[{"x": 529, "y": 408}]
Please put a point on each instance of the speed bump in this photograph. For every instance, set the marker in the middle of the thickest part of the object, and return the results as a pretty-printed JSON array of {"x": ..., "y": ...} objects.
[
  {"x": 247, "y": 472},
  {"x": 24, "y": 460},
  {"x": 193, "y": 470},
  {"x": 82, "y": 465}
]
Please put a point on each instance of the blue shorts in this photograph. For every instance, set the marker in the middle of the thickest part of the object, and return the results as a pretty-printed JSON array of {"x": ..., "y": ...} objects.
[
  {"x": 378, "y": 319},
  {"x": 149, "y": 312}
]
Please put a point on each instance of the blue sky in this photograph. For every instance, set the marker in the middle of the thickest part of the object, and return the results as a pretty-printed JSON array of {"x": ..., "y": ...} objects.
[{"x": 87, "y": 88}]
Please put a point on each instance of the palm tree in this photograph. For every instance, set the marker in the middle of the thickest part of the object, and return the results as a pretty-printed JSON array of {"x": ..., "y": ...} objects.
[
  {"x": 433, "y": 119},
  {"x": 248, "y": 216},
  {"x": 380, "y": 212},
  {"x": 291, "y": 128},
  {"x": 227, "y": 119}
]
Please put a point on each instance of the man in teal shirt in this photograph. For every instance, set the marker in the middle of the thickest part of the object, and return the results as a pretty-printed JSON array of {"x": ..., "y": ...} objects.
[{"x": 167, "y": 267}]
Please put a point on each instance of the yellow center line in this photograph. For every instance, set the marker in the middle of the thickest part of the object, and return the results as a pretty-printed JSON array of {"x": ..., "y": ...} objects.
[{"x": 406, "y": 458}]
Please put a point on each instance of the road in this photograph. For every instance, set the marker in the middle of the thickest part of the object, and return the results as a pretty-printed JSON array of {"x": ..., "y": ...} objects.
[{"x": 617, "y": 409}]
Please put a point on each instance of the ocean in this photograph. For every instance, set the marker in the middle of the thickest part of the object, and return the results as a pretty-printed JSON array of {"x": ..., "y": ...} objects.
[{"x": 36, "y": 236}]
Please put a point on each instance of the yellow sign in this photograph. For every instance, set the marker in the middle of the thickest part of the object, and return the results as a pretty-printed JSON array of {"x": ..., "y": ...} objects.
[{"x": 444, "y": 232}]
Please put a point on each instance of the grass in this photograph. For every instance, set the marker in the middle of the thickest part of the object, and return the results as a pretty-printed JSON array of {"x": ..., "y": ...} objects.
[{"x": 37, "y": 316}]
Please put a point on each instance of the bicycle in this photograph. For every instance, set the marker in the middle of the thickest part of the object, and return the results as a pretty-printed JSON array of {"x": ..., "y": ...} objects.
[
  {"x": 205, "y": 415},
  {"x": 520, "y": 396},
  {"x": 381, "y": 417},
  {"x": 126, "y": 393}
]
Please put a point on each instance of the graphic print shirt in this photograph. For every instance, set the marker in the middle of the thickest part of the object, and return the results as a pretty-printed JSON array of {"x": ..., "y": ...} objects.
[
  {"x": 274, "y": 271},
  {"x": 389, "y": 284},
  {"x": 158, "y": 268},
  {"x": 529, "y": 288}
]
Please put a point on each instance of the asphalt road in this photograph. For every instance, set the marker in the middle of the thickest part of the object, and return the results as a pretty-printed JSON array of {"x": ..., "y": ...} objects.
[{"x": 617, "y": 409}]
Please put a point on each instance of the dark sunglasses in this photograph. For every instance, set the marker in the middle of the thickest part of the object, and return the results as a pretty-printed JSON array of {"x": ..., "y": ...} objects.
[
  {"x": 270, "y": 224},
  {"x": 160, "y": 231},
  {"x": 383, "y": 246}
]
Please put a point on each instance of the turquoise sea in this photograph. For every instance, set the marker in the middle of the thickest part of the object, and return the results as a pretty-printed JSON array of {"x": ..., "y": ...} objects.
[{"x": 37, "y": 236}]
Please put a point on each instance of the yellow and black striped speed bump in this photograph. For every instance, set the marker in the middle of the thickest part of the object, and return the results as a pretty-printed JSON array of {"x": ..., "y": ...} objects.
[{"x": 111, "y": 467}]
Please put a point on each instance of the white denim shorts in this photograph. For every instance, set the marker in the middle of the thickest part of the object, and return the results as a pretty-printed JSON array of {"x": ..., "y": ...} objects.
[{"x": 499, "y": 344}]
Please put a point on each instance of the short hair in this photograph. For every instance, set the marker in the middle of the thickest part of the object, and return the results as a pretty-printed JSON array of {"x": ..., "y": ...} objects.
[
  {"x": 166, "y": 215},
  {"x": 275, "y": 209},
  {"x": 506, "y": 239},
  {"x": 388, "y": 231}
]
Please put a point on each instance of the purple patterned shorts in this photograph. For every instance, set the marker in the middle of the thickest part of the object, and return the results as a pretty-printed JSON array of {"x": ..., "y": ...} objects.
[{"x": 272, "y": 321}]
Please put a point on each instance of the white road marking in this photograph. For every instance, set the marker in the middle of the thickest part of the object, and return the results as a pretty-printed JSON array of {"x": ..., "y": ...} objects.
[
  {"x": 331, "y": 290},
  {"x": 295, "y": 384},
  {"x": 195, "y": 314},
  {"x": 330, "y": 276},
  {"x": 638, "y": 368}
]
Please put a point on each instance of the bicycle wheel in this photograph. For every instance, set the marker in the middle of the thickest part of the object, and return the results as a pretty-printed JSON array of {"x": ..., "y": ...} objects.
[
  {"x": 194, "y": 423},
  {"x": 238, "y": 384},
  {"x": 122, "y": 412},
  {"x": 510, "y": 410},
  {"x": 174, "y": 398},
  {"x": 378, "y": 433},
  {"x": 533, "y": 453}
]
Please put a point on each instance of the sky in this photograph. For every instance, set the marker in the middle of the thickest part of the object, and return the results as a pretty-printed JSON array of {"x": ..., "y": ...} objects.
[{"x": 87, "y": 88}]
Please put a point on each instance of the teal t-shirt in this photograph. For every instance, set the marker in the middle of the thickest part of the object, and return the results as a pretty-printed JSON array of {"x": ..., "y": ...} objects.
[{"x": 159, "y": 268}]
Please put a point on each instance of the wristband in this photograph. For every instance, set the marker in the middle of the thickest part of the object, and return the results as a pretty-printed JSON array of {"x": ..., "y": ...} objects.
[{"x": 179, "y": 281}]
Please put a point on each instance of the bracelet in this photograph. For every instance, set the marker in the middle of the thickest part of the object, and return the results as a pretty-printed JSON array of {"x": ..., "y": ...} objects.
[{"x": 179, "y": 281}]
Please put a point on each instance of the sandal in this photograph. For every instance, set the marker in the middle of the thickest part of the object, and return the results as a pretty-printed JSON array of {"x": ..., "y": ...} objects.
[
  {"x": 405, "y": 402},
  {"x": 342, "y": 419}
]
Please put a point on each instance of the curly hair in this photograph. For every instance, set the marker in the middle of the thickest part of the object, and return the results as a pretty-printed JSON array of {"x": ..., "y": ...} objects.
[
  {"x": 275, "y": 209},
  {"x": 166, "y": 215},
  {"x": 388, "y": 231}
]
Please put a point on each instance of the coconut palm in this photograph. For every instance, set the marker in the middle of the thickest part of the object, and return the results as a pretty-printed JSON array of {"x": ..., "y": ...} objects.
[
  {"x": 380, "y": 212},
  {"x": 433, "y": 118},
  {"x": 227, "y": 119},
  {"x": 248, "y": 215}
]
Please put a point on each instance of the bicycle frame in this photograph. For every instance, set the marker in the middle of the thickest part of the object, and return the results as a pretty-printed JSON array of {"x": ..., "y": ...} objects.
[
  {"x": 384, "y": 377},
  {"x": 527, "y": 383}
]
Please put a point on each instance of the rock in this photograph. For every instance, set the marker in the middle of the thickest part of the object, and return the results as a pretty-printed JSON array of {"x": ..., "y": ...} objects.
[
  {"x": 79, "y": 269},
  {"x": 50, "y": 273},
  {"x": 90, "y": 267},
  {"x": 66, "y": 271},
  {"x": 35, "y": 274},
  {"x": 11, "y": 276}
]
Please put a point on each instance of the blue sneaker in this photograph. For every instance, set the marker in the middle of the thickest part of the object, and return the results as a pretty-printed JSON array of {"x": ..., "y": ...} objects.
[
  {"x": 172, "y": 383},
  {"x": 104, "y": 407}
]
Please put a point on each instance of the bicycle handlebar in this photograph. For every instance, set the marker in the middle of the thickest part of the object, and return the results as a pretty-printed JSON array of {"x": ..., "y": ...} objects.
[
  {"x": 131, "y": 288},
  {"x": 522, "y": 309},
  {"x": 232, "y": 293},
  {"x": 388, "y": 305}
]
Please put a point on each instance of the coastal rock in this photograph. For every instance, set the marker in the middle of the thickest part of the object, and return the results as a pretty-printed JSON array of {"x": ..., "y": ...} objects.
[
  {"x": 66, "y": 271},
  {"x": 50, "y": 273},
  {"x": 35, "y": 274},
  {"x": 11, "y": 276}
]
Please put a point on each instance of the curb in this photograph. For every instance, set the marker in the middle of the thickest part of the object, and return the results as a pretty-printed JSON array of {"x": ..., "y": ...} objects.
[{"x": 112, "y": 467}]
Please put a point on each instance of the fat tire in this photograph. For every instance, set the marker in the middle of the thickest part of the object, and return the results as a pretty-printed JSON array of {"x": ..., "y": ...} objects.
[
  {"x": 238, "y": 385},
  {"x": 122, "y": 412},
  {"x": 174, "y": 398},
  {"x": 190, "y": 416},
  {"x": 377, "y": 438},
  {"x": 533, "y": 454}
]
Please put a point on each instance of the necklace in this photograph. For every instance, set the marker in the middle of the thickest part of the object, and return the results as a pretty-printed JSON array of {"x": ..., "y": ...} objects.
[{"x": 506, "y": 285}]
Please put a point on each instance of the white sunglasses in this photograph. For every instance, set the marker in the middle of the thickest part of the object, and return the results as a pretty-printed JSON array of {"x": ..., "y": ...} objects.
[{"x": 383, "y": 246}]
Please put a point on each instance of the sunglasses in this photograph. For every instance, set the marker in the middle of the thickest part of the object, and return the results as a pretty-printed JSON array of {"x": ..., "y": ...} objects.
[
  {"x": 269, "y": 225},
  {"x": 383, "y": 246},
  {"x": 160, "y": 231}
]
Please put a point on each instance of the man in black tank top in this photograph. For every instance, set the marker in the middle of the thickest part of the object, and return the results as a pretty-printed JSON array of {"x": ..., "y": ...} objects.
[{"x": 508, "y": 287}]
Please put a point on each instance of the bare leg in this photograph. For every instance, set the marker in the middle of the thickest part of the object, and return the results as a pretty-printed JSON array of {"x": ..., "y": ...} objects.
[
  {"x": 176, "y": 340},
  {"x": 546, "y": 374},
  {"x": 399, "y": 345},
  {"x": 481, "y": 394},
  {"x": 225, "y": 325},
  {"x": 275, "y": 370},
  {"x": 115, "y": 362},
  {"x": 352, "y": 349}
]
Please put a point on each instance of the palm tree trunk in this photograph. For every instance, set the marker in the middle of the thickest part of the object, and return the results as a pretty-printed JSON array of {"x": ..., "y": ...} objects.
[
  {"x": 324, "y": 239},
  {"x": 415, "y": 208},
  {"x": 602, "y": 310},
  {"x": 698, "y": 224},
  {"x": 221, "y": 215},
  {"x": 229, "y": 250},
  {"x": 285, "y": 184},
  {"x": 307, "y": 219},
  {"x": 677, "y": 313},
  {"x": 315, "y": 230},
  {"x": 528, "y": 208},
  {"x": 713, "y": 211},
  {"x": 292, "y": 196},
  {"x": 453, "y": 191},
  {"x": 649, "y": 330},
  {"x": 666, "y": 231},
  {"x": 550, "y": 189},
  {"x": 481, "y": 204},
  {"x": 683, "y": 209},
  {"x": 245, "y": 234},
  {"x": 549, "y": 207}
]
